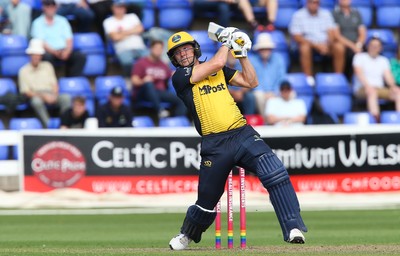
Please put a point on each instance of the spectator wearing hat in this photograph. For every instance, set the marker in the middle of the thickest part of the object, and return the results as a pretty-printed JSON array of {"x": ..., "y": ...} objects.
[
  {"x": 285, "y": 110},
  {"x": 38, "y": 82},
  {"x": 80, "y": 10},
  {"x": 374, "y": 79},
  {"x": 313, "y": 29},
  {"x": 270, "y": 69},
  {"x": 125, "y": 31},
  {"x": 75, "y": 116},
  {"x": 115, "y": 113},
  {"x": 56, "y": 33}
]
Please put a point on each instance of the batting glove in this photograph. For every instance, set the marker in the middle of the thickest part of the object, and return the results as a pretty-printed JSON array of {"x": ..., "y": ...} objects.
[
  {"x": 225, "y": 37},
  {"x": 241, "y": 44}
]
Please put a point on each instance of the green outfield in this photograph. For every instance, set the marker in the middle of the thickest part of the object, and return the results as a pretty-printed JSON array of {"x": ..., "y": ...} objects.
[{"x": 330, "y": 233}]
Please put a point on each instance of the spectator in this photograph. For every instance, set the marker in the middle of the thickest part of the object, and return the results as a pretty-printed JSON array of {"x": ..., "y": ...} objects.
[
  {"x": 244, "y": 97},
  {"x": 38, "y": 82},
  {"x": 80, "y": 10},
  {"x": 395, "y": 67},
  {"x": 271, "y": 8},
  {"x": 285, "y": 110},
  {"x": 372, "y": 72},
  {"x": 19, "y": 15},
  {"x": 270, "y": 70},
  {"x": 115, "y": 113},
  {"x": 75, "y": 116},
  {"x": 125, "y": 31},
  {"x": 56, "y": 33},
  {"x": 312, "y": 28},
  {"x": 150, "y": 77},
  {"x": 350, "y": 36},
  {"x": 4, "y": 26},
  {"x": 223, "y": 8},
  {"x": 102, "y": 10}
]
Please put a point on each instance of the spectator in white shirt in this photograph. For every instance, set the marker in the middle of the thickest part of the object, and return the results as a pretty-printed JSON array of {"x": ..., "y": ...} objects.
[
  {"x": 285, "y": 110},
  {"x": 125, "y": 31},
  {"x": 374, "y": 79},
  {"x": 313, "y": 29}
]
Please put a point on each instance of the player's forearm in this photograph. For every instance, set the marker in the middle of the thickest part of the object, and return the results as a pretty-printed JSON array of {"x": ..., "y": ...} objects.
[{"x": 249, "y": 73}]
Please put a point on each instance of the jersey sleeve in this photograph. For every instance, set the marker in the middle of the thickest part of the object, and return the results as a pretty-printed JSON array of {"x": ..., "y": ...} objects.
[
  {"x": 181, "y": 78},
  {"x": 229, "y": 74}
]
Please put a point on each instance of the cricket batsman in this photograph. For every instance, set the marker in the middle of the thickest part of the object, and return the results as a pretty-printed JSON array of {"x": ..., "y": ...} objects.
[{"x": 226, "y": 139}]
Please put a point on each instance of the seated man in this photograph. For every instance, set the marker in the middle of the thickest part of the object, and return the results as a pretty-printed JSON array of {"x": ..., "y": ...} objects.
[
  {"x": 285, "y": 110},
  {"x": 38, "y": 82},
  {"x": 115, "y": 113},
  {"x": 56, "y": 33},
  {"x": 313, "y": 29},
  {"x": 149, "y": 79},
  {"x": 80, "y": 10},
  {"x": 373, "y": 73},
  {"x": 75, "y": 116}
]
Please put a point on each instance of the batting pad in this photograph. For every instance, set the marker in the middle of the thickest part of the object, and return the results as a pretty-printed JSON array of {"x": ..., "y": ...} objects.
[
  {"x": 196, "y": 222},
  {"x": 275, "y": 178}
]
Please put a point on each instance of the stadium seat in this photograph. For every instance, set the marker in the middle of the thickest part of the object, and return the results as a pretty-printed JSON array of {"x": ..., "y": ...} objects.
[
  {"x": 12, "y": 54},
  {"x": 3, "y": 149},
  {"x": 388, "y": 16},
  {"x": 78, "y": 86},
  {"x": 255, "y": 120},
  {"x": 104, "y": 84},
  {"x": 7, "y": 85},
  {"x": 388, "y": 39},
  {"x": 22, "y": 123},
  {"x": 390, "y": 117},
  {"x": 284, "y": 16},
  {"x": 201, "y": 36},
  {"x": 54, "y": 123},
  {"x": 148, "y": 19},
  {"x": 174, "y": 14},
  {"x": 93, "y": 47},
  {"x": 358, "y": 118},
  {"x": 303, "y": 90},
  {"x": 176, "y": 121},
  {"x": 334, "y": 93},
  {"x": 142, "y": 121},
  {"x": 366, "y": 13}
]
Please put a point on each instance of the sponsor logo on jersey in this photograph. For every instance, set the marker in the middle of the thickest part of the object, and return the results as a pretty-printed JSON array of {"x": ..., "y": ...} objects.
[
  {"x": 207, "y": 163},
  {"x": 207, "y": 89}
]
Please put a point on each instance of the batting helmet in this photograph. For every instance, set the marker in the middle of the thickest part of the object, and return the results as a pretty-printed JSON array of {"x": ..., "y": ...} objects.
[{"x": 179, "y": 39}]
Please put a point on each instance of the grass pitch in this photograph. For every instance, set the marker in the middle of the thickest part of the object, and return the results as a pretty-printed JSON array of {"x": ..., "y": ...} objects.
[{"x": 330, "y": 233}]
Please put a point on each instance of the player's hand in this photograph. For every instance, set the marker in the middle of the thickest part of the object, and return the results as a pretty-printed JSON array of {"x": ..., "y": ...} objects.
[
  {"x": 225, "y": 37},
  {"x": 241, "y": 44}
]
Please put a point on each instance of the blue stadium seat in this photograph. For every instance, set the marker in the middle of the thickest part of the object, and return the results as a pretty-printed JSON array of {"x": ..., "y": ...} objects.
[
  {"x": 54, "y": 123},
  {"x": 366, "y": 13},
  {"x": 334, "y": 93},
  {"x": 148, "y": 12},
  {"x": 284, "y": 16},
  {"x": 22, "y": 123},
  {"x": 175, "y": 121},
  {"x": 201, "y": 36},
  {"x": 7, "y": 85},
  {"x": 379, "y": 3},
  {"x": 78, "y": 86},
  {"x": 12, "y": 54},
  {"x": 390, "y": 117},
  {"x": 388, "y": 16},
  {"x": 358, "y": 118},
  {"x": 303, "y": 90},
  {"x": 3, "y": 149},
  {"x": 93, "y": 47},
  {"x": 142, "y": 121},
  {"x": 388, "y": 39},
  {"x": 175, "y": 14},
  {"x": 104, "y": 84}
]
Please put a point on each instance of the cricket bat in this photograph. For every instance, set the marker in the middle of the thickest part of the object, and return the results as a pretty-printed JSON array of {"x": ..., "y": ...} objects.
[{"x": 214, "y": 30}]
